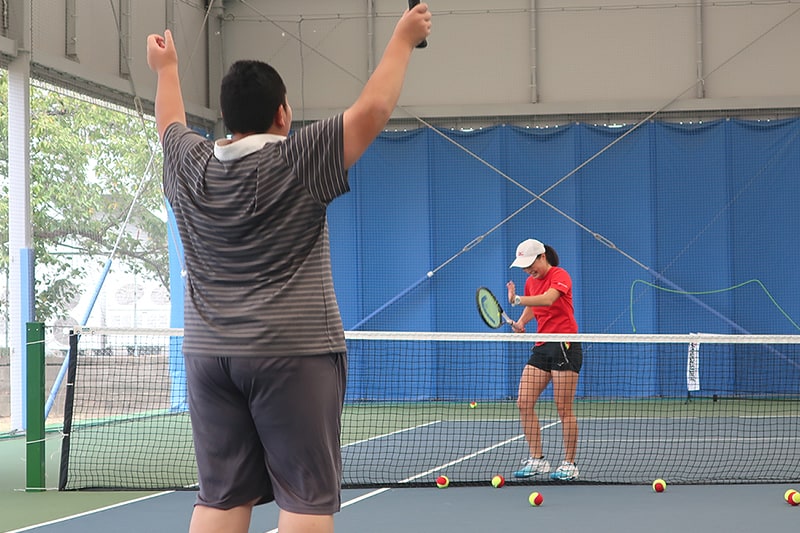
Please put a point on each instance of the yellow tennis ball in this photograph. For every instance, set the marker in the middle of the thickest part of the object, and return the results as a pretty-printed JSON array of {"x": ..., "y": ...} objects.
[
  {"x": 498, "y": 481},
  {"x": 536, "y": 499},
  {"x": 787, "y": 494},
  {"x": 659, "y": 485},
  {"x": 473, "y": 405},
  {"x": 442, "y": 482}
]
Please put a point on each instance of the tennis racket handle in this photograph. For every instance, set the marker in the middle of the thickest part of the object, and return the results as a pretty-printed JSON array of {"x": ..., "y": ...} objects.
[
  {"x": 510, "y": 322},
  {"x": 411, "y": 4}
]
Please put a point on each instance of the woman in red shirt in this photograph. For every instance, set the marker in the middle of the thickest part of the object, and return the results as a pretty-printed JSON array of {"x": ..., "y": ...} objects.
[{"x": 548, "y": 299}]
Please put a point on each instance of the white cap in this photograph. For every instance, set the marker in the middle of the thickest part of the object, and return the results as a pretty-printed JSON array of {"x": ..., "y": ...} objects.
[{"x": 527, "y": 252}]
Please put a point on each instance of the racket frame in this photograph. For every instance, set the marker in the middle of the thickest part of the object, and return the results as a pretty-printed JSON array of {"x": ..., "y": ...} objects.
[{"x": 480, "y": 295}]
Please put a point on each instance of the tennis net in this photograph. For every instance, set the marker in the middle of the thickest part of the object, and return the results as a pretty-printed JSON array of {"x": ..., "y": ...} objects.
[{"x": 687, "y": 408}]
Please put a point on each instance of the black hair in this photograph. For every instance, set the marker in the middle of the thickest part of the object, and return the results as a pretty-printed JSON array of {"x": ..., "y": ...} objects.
[
  {"x": 552, "y": 256},
  {"x": 250, "y": 95}
]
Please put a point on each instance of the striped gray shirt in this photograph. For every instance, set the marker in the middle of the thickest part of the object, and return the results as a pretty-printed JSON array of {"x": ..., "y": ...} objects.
[{"x": 255, "y": 241}]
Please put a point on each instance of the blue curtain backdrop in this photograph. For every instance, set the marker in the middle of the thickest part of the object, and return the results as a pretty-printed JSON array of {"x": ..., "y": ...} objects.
[
  {"x": 691, "y": 208},
  {"x": 652, "y": 231}
]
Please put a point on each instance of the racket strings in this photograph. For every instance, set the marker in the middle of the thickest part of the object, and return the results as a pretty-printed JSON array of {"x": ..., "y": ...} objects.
[{"x": 489, "y": 308}]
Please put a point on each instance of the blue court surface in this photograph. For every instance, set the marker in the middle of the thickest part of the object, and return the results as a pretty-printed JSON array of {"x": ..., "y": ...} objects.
[{"x": 566, "y": 508}]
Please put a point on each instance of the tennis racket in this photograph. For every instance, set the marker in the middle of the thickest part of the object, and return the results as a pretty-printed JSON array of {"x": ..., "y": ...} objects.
[
  {"x": 411, "y": 4},
  {"x": 490, "y": 310}
]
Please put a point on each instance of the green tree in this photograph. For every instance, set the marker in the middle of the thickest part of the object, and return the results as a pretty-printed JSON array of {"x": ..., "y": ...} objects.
[{"x": 87, "y": 163}]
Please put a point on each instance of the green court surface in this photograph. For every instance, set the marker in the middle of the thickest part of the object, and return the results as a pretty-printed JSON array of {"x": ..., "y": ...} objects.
[
  {"x": 365, "y": 423},
  {"x": 370, "y": 419},
  {"x": 151, "y": 448},
  {"x": 21, "y": 508},
  {"x": 171, "y": 433}
]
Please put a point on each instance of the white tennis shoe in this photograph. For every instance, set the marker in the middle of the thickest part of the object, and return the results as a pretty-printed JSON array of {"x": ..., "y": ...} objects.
[
  {"x": 532, "y": 467},
  {"x": 565, "y": 472}
]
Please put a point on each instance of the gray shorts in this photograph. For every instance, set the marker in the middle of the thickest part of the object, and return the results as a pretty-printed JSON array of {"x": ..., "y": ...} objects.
[{"x": 268, "y": 429}]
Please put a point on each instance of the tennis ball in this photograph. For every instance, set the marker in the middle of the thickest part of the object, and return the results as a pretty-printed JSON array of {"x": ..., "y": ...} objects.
[
  {"x": 473, "y": 405},
  {"x": 442, "y": 482},
  {"x": 787, "y": 494},
  {"x": 498, "y": 481},
  {"x": 794, "y": 498},
  {"x": 659, "y": 485},
  {"x": 536, "y": 499}
]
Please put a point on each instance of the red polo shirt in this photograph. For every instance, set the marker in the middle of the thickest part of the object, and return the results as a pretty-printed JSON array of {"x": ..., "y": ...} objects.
[{"x": 559, "y": 317}]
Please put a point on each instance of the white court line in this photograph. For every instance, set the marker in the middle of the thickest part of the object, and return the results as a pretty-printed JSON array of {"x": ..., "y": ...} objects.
[
  {"x": 345, "y": 504},
  {"x": 679, "y": 440},
  {"x": 93, "y": 511},
  {"x": 381, "y": 490},
  {"x": 351, "y": 502},
  {"x": 358, "y": 499},
  {"x": 473, "y": 455},
  {"x": 766, "y": 417},
  {"x": 456, "y": 461},
  {"x": 411, "y": 428},
  {"x": 693, "y": 417}
]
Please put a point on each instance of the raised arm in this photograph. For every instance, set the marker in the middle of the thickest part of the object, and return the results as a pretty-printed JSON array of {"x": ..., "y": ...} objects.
[
  {"x": 163, "y": 60},
  {"x": 365, "y": 119}
]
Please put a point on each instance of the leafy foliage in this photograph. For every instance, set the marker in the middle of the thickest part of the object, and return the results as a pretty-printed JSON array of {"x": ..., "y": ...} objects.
[{"x": 87, "y": 162}]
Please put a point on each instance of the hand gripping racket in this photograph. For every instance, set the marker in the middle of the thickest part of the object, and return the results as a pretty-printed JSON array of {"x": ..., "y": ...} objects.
[
  {"x": 424, "y": 43},
  {"x": 490, "y": 310}
]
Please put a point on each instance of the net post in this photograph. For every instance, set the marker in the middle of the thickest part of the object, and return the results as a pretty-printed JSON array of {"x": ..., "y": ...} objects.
[
  {"x": 34, "y": 435},
  {"x": 72, "y": 363}
]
